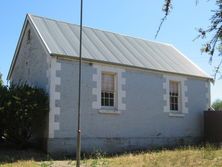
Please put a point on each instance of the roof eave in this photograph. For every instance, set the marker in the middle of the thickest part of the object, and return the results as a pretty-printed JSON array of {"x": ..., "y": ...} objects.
[
  {"x": 211, "y": 79},
  {"x": 130, "y": 66}
]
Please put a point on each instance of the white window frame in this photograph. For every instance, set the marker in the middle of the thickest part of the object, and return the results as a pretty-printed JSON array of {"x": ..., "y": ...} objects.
[
  {"x": 120, "y": 81},
  {"x": 178, "y": 96},
  {"x": 182, "y": 110},
  {"x": 115, "y": 92},
  {"x": 28, "y": 38}
]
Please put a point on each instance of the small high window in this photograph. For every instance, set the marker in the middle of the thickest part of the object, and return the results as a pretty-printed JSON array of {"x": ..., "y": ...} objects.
[
  {"x": 108, "y": 90},
  {"x": 174, "y": 96},
  {"x": 29, "y": 35}
]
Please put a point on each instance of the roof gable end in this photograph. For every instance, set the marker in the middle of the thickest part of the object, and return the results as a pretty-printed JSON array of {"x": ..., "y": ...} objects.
[{"x": 28, "y": 20}]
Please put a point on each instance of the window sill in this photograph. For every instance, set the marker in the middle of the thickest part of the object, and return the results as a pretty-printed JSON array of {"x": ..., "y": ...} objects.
[
  {"x": 173, "y": 114},
  {"x": 109, "y": 111}
]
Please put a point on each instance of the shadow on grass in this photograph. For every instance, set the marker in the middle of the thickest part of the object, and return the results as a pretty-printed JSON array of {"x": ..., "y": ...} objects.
[{"x": 9, "y": 154}]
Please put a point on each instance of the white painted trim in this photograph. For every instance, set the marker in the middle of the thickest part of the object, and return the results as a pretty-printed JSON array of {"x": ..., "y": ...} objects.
[
  {"x": 120, "y": 82},
  {"x": 29, "y": 17},
  {"x": 48, "y": 60},
  {"x": 96, "y": 91},
  {"x": 171, "y": 114},
  {"x": 183, "y": 90},
  {"x": 104, "y": 111},
  {"x": 54, "y": 96}
]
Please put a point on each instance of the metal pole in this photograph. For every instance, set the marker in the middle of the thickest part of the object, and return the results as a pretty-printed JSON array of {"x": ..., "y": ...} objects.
[{"x": 78, "y": 146}]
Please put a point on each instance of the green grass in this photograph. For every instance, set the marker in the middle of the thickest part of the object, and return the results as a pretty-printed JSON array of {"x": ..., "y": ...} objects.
[{"x": 188, "y": 156}]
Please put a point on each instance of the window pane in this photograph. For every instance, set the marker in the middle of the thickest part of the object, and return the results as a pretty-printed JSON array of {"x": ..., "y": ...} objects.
[
  {"x": 174, "y": 95},
  {"x": 103, "y": 102},
  {"x": 173, "y": 87},
  {"x": 176, "y": 107},
  {"x": 108, "y": 82},
  {"x": 176, "y": 100},
  {"x": 171, "y": 106},
  {"x": 106, "y": 102},
  {"x": 111, "y": 102},
  {"x": 171, "y": 99},
  {"x": 107, "y": 96}
]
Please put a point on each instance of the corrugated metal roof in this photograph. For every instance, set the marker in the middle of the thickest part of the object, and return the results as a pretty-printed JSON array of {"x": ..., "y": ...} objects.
[{"x": 63, "y": 39}]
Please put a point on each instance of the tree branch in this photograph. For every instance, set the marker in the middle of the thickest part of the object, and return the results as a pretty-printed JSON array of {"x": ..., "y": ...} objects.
[{"x": 167, "y": 6}]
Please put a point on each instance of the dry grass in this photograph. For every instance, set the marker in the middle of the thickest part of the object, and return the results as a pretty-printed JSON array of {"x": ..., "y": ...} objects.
[{"x": 189, "y": 156}]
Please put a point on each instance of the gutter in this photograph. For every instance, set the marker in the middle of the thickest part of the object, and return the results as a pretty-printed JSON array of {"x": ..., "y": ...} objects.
[{"x": 87, "y": 60}]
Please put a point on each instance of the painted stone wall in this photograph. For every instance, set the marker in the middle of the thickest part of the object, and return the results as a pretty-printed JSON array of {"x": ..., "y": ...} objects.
[{"x": 141, "y": 124}]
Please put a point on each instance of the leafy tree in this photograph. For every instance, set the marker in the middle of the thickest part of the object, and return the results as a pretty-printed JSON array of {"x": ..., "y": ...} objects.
[
  {"x": 23, "y": 111},
  {"x": 3, "y": 103},
  {"x": 215, "y": 29},
  {"x": 217, "y": 105},
  {"x": 1, "y": 81}
]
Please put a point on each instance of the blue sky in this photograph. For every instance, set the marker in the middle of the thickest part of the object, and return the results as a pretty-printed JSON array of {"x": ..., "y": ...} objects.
[{"x": 138, "y": 18}]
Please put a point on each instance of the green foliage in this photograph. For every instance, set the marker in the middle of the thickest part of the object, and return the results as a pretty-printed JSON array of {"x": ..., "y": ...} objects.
[
  {"x": 22, "y": 108},
  {"x": 217, "y": 105},
  {"x": 99, "y": 160},
  {"x": 3, "y": 103},
  {"x": 1, "y": 81}
]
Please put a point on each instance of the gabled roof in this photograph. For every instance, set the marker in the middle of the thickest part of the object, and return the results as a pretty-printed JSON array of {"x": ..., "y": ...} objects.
[{"x": 62, "y": 38}]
